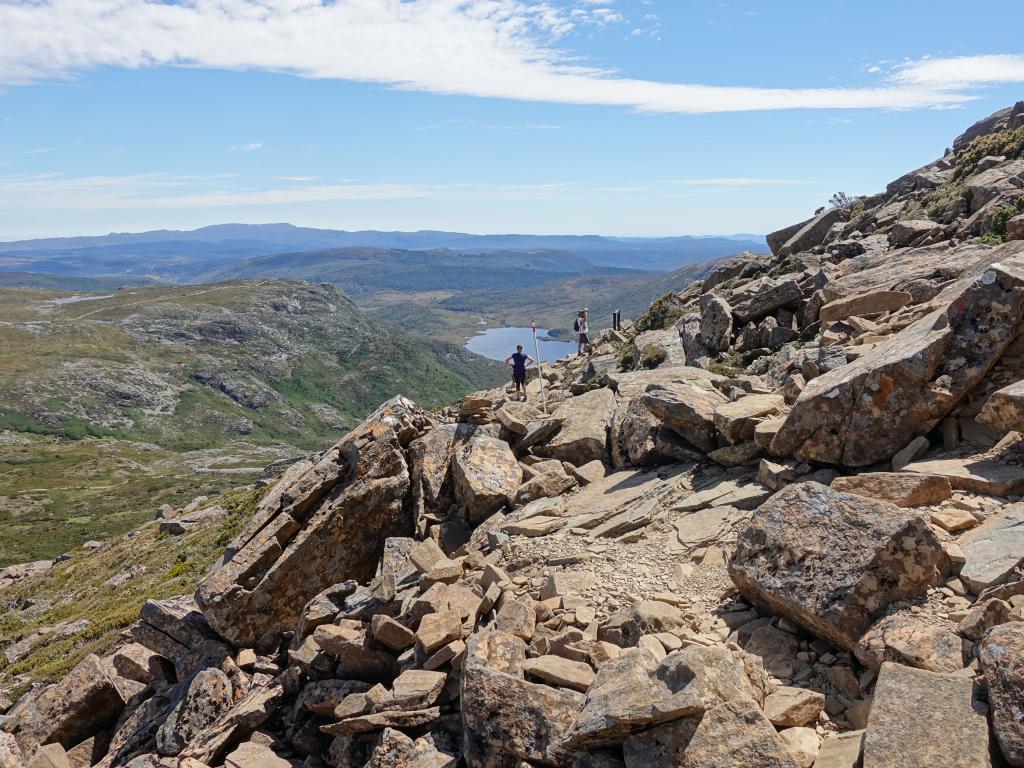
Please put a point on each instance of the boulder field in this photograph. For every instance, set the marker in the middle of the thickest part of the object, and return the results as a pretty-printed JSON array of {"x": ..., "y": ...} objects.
[{"x": 795, "y": 540}]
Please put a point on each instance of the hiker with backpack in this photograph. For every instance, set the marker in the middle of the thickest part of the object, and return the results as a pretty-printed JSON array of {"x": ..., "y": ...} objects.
[
  {"x": 582, "y": 328},
  {"x": 519, "y": 361}
]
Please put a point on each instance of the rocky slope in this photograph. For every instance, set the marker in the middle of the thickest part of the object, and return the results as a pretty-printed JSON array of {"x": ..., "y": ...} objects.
[{"x": 776, "y": 523}]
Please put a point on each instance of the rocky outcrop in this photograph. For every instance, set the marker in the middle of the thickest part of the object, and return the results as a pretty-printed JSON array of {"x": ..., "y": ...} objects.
[
  {"x": 868, "y": 410},
  {"x": 312, "y": 530}
]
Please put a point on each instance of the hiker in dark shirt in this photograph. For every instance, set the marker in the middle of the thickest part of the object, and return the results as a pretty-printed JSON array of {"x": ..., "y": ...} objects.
[{"x": 519, "y": 361}]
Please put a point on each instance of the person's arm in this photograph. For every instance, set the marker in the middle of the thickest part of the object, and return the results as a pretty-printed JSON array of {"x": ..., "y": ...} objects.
[
  {"x": 508, "y": 360},
  {"x": 529, "y": 361}
]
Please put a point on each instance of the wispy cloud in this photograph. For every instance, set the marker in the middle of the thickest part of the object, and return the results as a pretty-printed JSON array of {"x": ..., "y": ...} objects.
[
  {"x": 513, "y": 49},
  {"x": 37, "y": 151},
  {"x": 251, "y": 147},
  {"x": 53, "y": 191}
]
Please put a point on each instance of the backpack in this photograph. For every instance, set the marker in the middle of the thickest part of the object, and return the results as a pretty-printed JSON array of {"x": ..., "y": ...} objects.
[{"x": 576, "y": 325}]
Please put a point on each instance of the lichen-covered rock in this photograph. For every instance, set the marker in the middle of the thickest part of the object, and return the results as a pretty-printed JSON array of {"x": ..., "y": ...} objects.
[
  {"x": 486, "y": 476},
  {"x": 923, "y": 718},
  {"x": 79, "y": 706},
  {"x": 1002, "y": 662},
  {"x": 867, "y": 410},
  {"x": 735, "y": 734},
  {"x": 855, "y": 556},
  {"x": 912, "y": 640},
  {"x": 321, "y": 525},
  {"x": 715, "y": 322},
  {"x": 637, "y": 691},
  {"x": 209, "y": 695},
  {"x": 506, "y": 717}
]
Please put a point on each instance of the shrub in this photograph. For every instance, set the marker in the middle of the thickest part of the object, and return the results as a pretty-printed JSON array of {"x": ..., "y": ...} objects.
[{"x": 653, "y": 356}]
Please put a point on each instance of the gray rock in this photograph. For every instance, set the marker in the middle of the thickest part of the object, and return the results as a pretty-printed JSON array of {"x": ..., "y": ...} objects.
[{"x": 856, "y": 556}]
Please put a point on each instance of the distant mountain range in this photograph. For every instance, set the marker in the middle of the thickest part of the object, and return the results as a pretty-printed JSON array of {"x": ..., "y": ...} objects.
[{"x": 186, "y": 256}]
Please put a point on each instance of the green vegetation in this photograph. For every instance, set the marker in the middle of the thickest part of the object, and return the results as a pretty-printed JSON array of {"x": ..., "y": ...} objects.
[
  {"x": 56, "y": 493},
  {"x": 663, "y": 312},
  {"x": 1009, "y": 144},
  {"x": 653, "y": 356},
  {"x": 74, "y": 589},
  {"x": 111, "y": 406},
  {"x": 627, "y": 357}
]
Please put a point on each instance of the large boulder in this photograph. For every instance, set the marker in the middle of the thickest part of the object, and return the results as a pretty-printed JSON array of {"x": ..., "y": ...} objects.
[
  {"x": 584, "y": 433},
  {"x": 687, "y": 408},
  {"x": 765, "y": 301},
  {"x": 921, "y": 718},
  {"x": 735, "y": 734},
  {"x": 715, "y": 322},
  {"x": 324, "y": 523},
  {"x": 486, "y": 476},
  {"x": 209, "y": 695},
  {"x": 806, "y": 235},
  {"x": 79, "y": 706},
  {"x": 866, "y": 411},
  {"x": 637, "y": 691},
  {"x": 506, "y": 718},
  {"x": 1002, "y": 662},
  {"x": 831, "y": 561}
]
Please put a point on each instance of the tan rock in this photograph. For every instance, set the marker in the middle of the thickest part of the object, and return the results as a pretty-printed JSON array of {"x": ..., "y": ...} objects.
[
  {"x": 563, "y": 672},
  {"x": 786, "y": 707},
  {"x": 802, "y": 744},
  {"x": 254, "y": 755},
  {"x": 736, "y": 420},
  {"x": 486, "y": 477},
  {"x": 841, "y": 750},
  {"x": 924, "y": 718},
  {"x": 862, "y": 304},
  {"x": 735, "y": 734},
  {"x": 413, "y": 689},
  {"x": 904, "y": 489},
  {"x": 981, "y": 475},
  {"x": 390, "y": 633},
  {"x": 517, "y": 618},
  {"x": 912, "y": 640},
  {"x": 50, "y": 756},
  {"x": 584, "y": 434},
  {"x": 438, "y": 629},
  {"x": 952, "y": 519}
]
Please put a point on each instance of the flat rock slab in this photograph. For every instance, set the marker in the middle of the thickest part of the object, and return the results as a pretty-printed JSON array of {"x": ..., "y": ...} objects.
[
  {"x": 841, "y": 750},
  {"x": 539, "y": 525},
  {"x": 584, "y": 433},
  {"x": 993, "y": 549},
  {"x": 987, "y": 476},
  {"x": 904, "y": 489},
  {"x": 923, "y": 718},
  {"x": 563, "y": 672},
  {"x": 855, "y": 555},
  {"x": 864, "y": 304}
]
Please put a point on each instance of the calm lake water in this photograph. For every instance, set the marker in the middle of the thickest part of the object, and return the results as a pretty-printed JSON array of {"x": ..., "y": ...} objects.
[{"x": 499, "y": 343}]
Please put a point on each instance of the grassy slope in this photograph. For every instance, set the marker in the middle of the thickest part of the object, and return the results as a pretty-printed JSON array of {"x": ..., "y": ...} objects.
[
  {"x": 117, "y": 405},
  {"x": 74, "y": 589}
]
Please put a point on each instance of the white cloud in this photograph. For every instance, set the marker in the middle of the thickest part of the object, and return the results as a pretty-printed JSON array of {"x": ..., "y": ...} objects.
[
  {"x": 962, "y": 71},
  {"x": 248, "y": 147},
  {"x": 161, "y": 191},
  {"x": 488, "y": 48}
]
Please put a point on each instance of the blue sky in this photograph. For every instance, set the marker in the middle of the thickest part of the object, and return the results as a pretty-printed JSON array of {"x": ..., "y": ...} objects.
[{"x": 631, "y": 117}]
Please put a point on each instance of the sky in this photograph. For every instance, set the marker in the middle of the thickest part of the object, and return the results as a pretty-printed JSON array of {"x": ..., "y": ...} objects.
[{"x": 617, "y": 117}]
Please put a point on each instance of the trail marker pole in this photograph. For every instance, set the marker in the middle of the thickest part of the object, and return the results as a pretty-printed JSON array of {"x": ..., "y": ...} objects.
[{"x": 540, "y": 368}]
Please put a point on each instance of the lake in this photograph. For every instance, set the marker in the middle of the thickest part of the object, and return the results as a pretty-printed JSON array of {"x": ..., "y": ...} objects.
[{"x": 499, "y": 343}]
